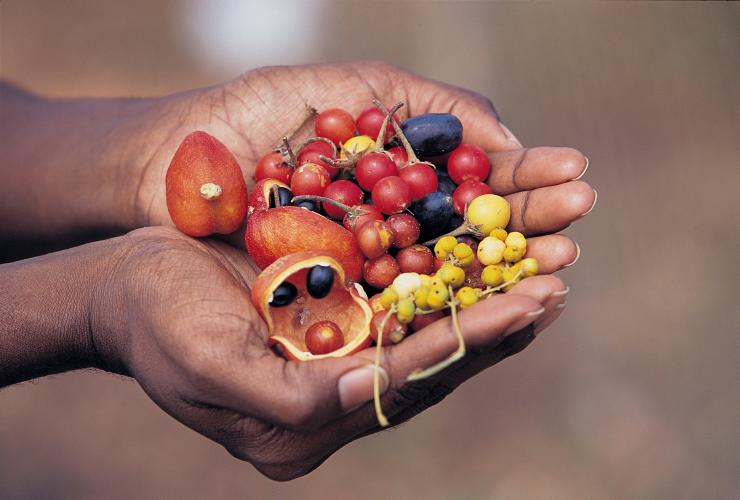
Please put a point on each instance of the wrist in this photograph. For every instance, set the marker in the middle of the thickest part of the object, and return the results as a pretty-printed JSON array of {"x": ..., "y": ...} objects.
[{"x": 47, "y": 304}]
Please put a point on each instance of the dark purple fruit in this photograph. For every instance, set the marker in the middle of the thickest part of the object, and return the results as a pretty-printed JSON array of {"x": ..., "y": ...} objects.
[
  {"x": 433, "y": 212},
  {"x": 433, "y": 134}
]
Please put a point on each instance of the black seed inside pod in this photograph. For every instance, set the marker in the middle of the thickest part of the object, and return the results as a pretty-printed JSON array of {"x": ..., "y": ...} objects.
[
  {"x": 284, "y": 197},
  {"x": 283, "y": 295},
  {"x": 319, "y": 281}
]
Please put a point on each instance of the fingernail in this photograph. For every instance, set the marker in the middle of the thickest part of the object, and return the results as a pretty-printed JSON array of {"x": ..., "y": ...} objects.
[
  {"x": 548, "y": 318},
  {"x": 356, "y": 386},
  {"x": 596, "y": 197},
  {"x": 584, "y": 169},
  {"x": 524, "y": 321},
  {"x": 578, "y": 255},
  {"x": 509, "y": 135},
  {"x": 561, "y": 293}
]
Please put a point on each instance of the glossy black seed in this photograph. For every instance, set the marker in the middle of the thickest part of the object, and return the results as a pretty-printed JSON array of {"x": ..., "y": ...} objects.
[
  {"x": 433, "y": 212},
  {"x": 319, "y": 281},
  {"x": 446, "y": 185},
  {"x": 308, "y": 205},
  {"x": 433, "y": 134},
  {"x": 283, "y": 295},
  {"x": 284, "y": 197}
]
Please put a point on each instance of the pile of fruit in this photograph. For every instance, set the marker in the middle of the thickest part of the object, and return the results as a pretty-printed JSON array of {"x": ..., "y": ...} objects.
[{"x": 368, "y": 204}]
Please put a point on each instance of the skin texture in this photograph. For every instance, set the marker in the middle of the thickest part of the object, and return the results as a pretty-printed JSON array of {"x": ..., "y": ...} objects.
[{"x": 174, "y": 312}]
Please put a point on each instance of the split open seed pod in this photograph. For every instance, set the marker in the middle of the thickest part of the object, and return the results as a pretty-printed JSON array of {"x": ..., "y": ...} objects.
[{"x": 287, "y": 323}]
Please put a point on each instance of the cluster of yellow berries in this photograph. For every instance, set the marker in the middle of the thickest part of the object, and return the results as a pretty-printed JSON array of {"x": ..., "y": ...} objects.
[{"x": 501, "y": 254}]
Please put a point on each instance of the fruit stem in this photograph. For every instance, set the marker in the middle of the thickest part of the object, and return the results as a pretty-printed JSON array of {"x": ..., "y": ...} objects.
[
  {"x": 210, "y": 191},
  {"x": 464, "y": 228},
  {"x": 490, "y": 290},
  {"x": 380, "y": 141},
  {"x": 323, "y": 199},
  {"x": 452, "y": 358},
  {"x": 376, "y": 373},
  {"x": 406, "y": 145},
  {"x": 293, "y": 163},
  {"x": 342, "y": 164},
  {"x": 308, "y": 113},
  {"x": 276, "y": 194}
]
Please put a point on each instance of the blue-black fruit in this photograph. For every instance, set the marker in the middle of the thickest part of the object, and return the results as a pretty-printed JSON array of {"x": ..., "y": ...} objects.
[
  {"x": 433, "y": 134},
  {"x": 455, "y": 222},
  {"x": 284, "y": 197},
  {"x": 283, "y": 294},
  {"x": 319, "y": 281},
  {"x": 433, "y": 212},
  {"x": 308, "y": 205},
  {"x": 445, "y": 184}
]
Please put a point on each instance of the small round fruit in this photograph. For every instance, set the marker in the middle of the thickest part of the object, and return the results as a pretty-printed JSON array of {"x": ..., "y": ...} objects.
[
  {"x": 529, "y": 267},
  {"x": 444, "y": 246},
  {"x": 283, "y": 295},
  {"x": 391, "y": 195},
  {"x": 438, "y": 296},
  {"x": 372, "y": 167},
  {"x": 511, "y": 278},
  {"x": 272, "y": 166},
  {"x": 467, "y": 296},
  {"x": 467, "y": 192},
  {"x": 421, "y": 296},
  {"x": 388, "y": 297},
  {"x": 406, "y": 284},
  {"x": 405, "y": 229},
  {"x": 319, "y": 281},
  {"x": 451, "y": 275},
  {"x": 464, "y": 254},
  {"x": 488, "y": 212},
  {"x": 393, "y": 330},
  {"x": 374, "y": 238},
  {"x": 424, "y": 320},
  {"x": 324, "y": 337},
  {"x": 308, "y": 205},
  {"x": 357, "y": 145},
  {"x": 490, "y": 250},
  {"x": 312, "y": 153},
  {"x": 444, "y": 183},
  {"x": 499, "y": 234},
  {"x": 370, "y": 121},
  {"x": 405, "y": 310},
  {"x": 421, "y": 178},
  {"x": 433, "y": 134},
  {"x": 336, "y": 125},
  {"x": 342, "y": 191},
  {"x": 380, "y": 272},
  {"x": 492, "y": 275},
  {"x": 309, "y": 179},
  {"x": 516, "y": 239},
  {"x": 399, "y": 156},
  {"x": 369, "y": 213},
  {"x": 513, "y": 254},
  {"x": 433, "y": 213},
  {"x": 416, "y": 259},
  {"x": 468, "y": 161}
]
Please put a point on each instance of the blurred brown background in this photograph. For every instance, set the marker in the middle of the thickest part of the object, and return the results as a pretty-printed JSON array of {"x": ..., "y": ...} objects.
[{"x": 634, "y": 393}]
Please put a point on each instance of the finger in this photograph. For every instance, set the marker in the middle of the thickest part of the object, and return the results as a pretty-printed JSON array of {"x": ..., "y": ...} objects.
[
  {"x": 552, "y": 251},
  {"x": 481, "y": 123},
  {"x": 550, "y": 209},
  {"x": 531, "y": 168}
]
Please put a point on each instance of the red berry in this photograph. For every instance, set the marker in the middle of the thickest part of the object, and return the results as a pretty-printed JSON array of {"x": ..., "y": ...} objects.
[
  {"x": 393, "y": 330},
  {"x": 399, "y": 155},
  {"x": 421, "y": 178},
  {"x": 309, "y": 178},
  {"x": 381, "y": 271},
  {"x": 324, "y": 337},
  {"x": 422, "y": 320},
  {"x": 370, "y": 121},
  {"x": 391, "y": 195},
  {"x": 468, "y": 161},
  {"x": 467, "y": 192},
  {"x": 271, "y": 166},
  {"x": 372, "y": 167},
  {"x": 312, "y": 153},
  {"x": 374, "y": 238},
  {"x": 344, "y": 192},
  {"x": 415, "y": 259},
  {"x": 336, "y": 125},
  {"x": 371, "y": 213},
  {"x": 405, "y": 229}
]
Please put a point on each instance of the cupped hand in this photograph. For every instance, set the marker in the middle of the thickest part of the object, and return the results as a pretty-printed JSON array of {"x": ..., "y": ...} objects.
[
  {"x": 251, "y": 114},
  {"x": 179, "y": 319}
]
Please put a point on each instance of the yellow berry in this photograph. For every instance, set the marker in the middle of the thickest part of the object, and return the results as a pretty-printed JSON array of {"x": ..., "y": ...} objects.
[
  {"x": 513, "y": 254},
  {"x": 467, "y": 296},
  {"x": 357, "y": 145},
  {"x": 463, "y": 253},
  {"x": 528, "y": 267},
  {"x": 437, "y": 298},
  {"x": 510, "y": 277},
  {"x": 452, "y": 275},
  {"x": 490, "y": 250},
  {"x": 499, "y": 234},
  {"x": 406, "y": 309},
  {"x": 388, "y": 298},
  {"x": 420, "y": 297},
  {"x": 516, "y": 239},
  {"x": 437, "y": 281},
  {"x": 488, "y": 212},
  {"x": 426, "y": 280},
  {"x": 492, "y": 275},
  {"x": 444, "y": 246},
  {"x": 406, "y": 284}
]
